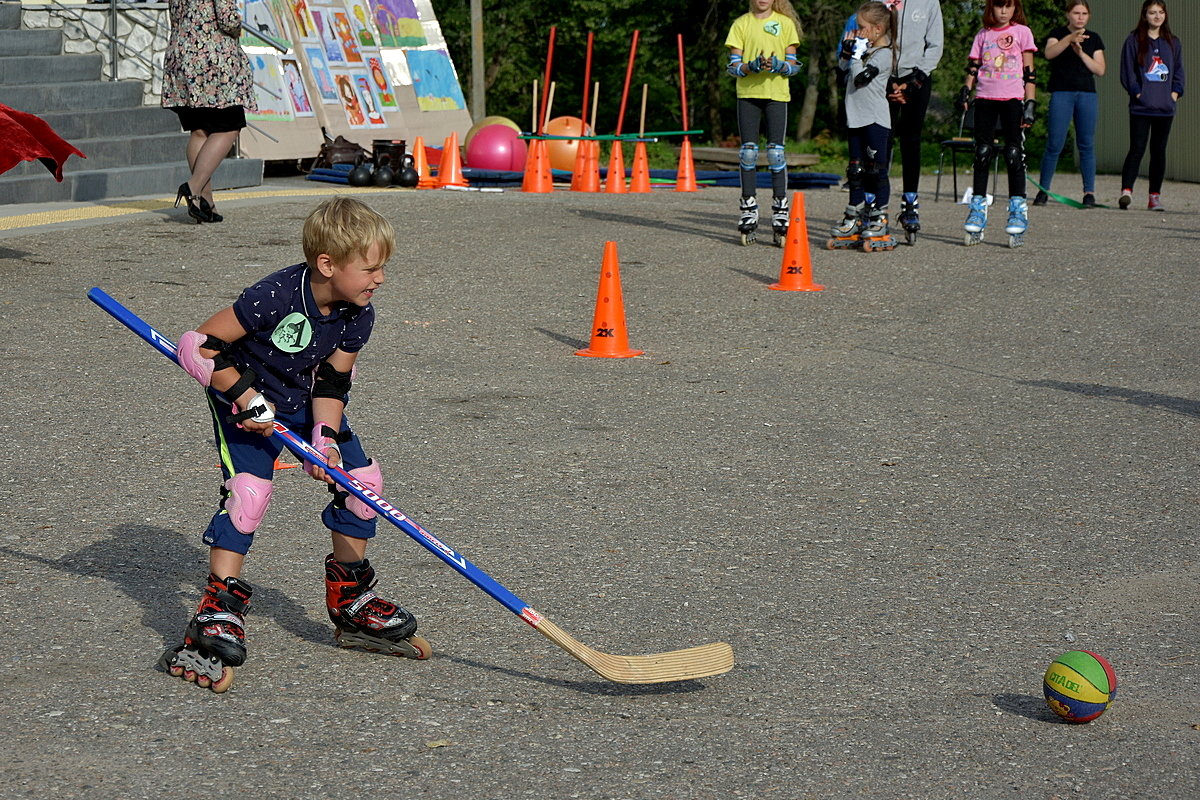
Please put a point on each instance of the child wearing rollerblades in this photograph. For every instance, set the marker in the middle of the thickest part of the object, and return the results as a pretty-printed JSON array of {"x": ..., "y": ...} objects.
[
  {"x": 762, "y": 56},
  {"x": 1000, "y": 71},
  {"x": 866, "y": 58},
  {"x": 286, "y": 350}
]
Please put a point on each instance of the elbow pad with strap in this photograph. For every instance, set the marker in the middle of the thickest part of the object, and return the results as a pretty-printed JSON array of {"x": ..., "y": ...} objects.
[{"x": 331, "y": 383}]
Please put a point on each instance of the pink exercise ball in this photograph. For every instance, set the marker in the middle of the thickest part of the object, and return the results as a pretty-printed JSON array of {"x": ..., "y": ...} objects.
[
  {"x": 562, "y": 151},
  {"x": 496, "y": 147}
]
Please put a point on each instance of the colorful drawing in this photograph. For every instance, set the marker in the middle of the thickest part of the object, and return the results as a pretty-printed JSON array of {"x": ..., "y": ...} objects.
[
  {"x": 322, "y": 77},
  {"x": 348, "y": 94},
  {"x": 306, "y": 27},
  {"x": 429, "y": 24},
  {"x": 434, "y": 80},
  {"x": 259, "y": 16},
  {"x": 297, "y": 91},
  {"x": 360, "y": 20},
  {"x": 366, "y": 97},
  {"x": 381, "y": 83},
  {"x": 399, "y": 23},
  {"x": 270, "y": 89},
  {"x": 345, "y": 35},
  {"x": 323, "y": 18}
]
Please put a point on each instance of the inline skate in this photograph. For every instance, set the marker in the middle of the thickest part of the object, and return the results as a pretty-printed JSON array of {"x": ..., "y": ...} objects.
[
  {"x": 976, "y": 220},
  {"x": 910, "y": 218},
  {"x": 1018, "y": 221},
  {"x": 748, "y": 221},
  {"x": 780, "y": 218},
  {"x": 847, "y": 234},
  {"x": 363, "y": 619},
  {"x": 215, "y": 640},
  {"x": 877, "y": 235}
]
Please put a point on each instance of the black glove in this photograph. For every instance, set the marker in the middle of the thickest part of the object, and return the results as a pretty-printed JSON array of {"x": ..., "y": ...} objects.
[
  {"x": 1027, "y": 113},
  {"x": 866, "y": 76},
  {"x": 964, "y": 99},
  {"x": 915, "y": 80},
  {"x": 847, "y": 51}
]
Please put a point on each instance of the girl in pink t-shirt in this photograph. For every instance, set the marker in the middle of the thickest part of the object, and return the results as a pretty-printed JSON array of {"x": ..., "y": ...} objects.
[{"x": 1000, "y": 71}]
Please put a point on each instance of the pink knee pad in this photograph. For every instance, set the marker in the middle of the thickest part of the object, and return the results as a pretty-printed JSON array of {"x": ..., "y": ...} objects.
[
  {"x": 370, "y": 477},
  {"x": 196, "y": 365},
  {"x": 249, "y": 496}
]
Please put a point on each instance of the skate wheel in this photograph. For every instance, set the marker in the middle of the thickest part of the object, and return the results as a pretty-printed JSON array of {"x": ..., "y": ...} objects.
[
  {"x": 226, "y": 680},
  {"x": 1015, "y": 240},
  {"x": 203, "y": 681},
  {"x": 867, "y": 246},
  {"x": 780, "y": 238},
  {"x": 175, "y": 670},
  {"x": 747, "y": 239},
  {"x": 910, "y": 237},
  {"x": 831, "y": 244},
  {"x": 422, "y": 647},
  {"x": 189, "y": 676}
]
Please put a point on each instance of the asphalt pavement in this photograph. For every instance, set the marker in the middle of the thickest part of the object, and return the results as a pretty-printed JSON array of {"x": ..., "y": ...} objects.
[{"x": 898, "y": 499}]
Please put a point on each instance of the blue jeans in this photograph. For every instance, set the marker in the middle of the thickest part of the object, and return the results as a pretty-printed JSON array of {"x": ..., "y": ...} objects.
[{"x": 1083, "y": 108}]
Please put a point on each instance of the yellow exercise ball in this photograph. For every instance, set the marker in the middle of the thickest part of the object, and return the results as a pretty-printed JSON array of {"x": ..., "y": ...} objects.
[{"x": 483, "y": 123}]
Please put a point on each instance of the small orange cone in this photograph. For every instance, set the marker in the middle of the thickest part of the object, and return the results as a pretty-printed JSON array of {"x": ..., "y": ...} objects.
[
  {"x": 284, "y": 465},
  {"x": 609, "y": 337},
  {"x": 591, "y": 174},
  {"x": 685, "y": 178},
  {"x": 450, "y": 170},
  {"x": 425, "y": 179},
  {"x": 795, "y": 274},
  {"x": 537, "y": 169},
  {"x": 615, "y": 183},
  {"x": 639, "y": 180}
]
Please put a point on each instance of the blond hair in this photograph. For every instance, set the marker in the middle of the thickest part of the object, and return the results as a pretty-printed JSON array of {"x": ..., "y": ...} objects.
[
  {"x": 342, "y": 227},
  {"x": 785, "y": 7}
]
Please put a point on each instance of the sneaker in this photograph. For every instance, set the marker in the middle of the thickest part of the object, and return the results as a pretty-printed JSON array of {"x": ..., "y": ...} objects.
[
  {"x": 1041, "y": 199},
  {"x": 1126, "y": 198},
  {"x": 1089, "y": 200},
  {"x": 1155, "y": 203}
]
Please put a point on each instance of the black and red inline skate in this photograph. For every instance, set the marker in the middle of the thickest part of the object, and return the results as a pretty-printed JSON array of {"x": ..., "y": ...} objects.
[
  {"x": 215, "y": 640},
  {"x": 363, "y": 619}
]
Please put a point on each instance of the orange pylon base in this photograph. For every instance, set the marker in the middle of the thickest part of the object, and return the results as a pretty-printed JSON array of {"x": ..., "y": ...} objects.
[
  {"x": 615, "y": 182},
  {"x": 685, "y": 176},
  {"x": 795, "y": 273},
  {"x": 538, "y": 177},
  {"x": 639, "y": 179}
]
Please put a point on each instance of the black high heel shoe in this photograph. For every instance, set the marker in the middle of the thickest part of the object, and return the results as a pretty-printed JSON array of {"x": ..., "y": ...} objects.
[{"x": 198, "y": 208}]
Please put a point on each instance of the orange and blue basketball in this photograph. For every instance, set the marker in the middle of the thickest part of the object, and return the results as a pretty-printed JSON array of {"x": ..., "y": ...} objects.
[{"x": 1079, "y": 686}]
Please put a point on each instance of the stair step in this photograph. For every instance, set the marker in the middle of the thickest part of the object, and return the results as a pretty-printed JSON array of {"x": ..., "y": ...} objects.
[
  {"x": 135, "y": 150},
  {"x": 10, "y": 16},
  {"x": 104, "y": 184},
  {"x": 30, "y": 42},
  {"x": 50, "y": 69},
  {"x": 84, "y": 124},
  {"x": 40, "y": 99}
]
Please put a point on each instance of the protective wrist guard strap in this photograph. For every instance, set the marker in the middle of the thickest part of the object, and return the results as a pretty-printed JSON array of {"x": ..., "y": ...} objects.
[
  {"x": 972, "y": 67},
  {"x": 331, "y": 383},
  {"x": 734, "y": 67},
  {"x": 1030, "y": 75},
  {"x": 239, "y": 388}
]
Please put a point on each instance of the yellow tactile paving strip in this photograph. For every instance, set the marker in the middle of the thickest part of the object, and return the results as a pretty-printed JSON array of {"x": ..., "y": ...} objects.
[{"x": 118, "y": 208}]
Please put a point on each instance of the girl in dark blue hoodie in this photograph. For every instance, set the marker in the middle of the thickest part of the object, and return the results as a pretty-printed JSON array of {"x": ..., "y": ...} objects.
[{"x": 1152, "y": 73}]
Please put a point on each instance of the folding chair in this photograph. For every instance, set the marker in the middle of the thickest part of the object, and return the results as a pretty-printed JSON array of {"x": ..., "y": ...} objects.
[{"x": 964, "y": 142}]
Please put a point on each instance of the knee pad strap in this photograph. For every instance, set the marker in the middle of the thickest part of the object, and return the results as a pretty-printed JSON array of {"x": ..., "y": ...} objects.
[
  {"x": 1014, "y": 155},
  {"x": 983, "y": 154},
  {"x": 776, "y": 160},
  {"x": 855, "y": 174},
  {"x": 748, "y": 156},
  {"x": 370, "y": 477},
  {"x": 247, "y": 500}
]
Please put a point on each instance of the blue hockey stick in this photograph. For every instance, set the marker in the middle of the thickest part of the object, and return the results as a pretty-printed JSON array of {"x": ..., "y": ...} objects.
[{"x": 676, "y": 665}]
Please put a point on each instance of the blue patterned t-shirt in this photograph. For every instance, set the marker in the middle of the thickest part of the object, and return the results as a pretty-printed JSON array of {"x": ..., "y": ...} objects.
[{"x": 287, "y": 337}]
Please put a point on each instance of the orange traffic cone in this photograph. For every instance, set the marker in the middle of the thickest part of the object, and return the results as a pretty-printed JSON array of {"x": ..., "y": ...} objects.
[
  {"x": 609, "y": 337},
  {"x": 639, "y": 180},
  {"x": 615, "y": 184},
  {"x": 537, "y": 169},
  {"x": 685, "y": 177},
  {"x": 795, "y": 274},
  {"x": 450, "y": 170},
  {"x": 591, "y": 174},
  {"x": 425, "y": 179}
]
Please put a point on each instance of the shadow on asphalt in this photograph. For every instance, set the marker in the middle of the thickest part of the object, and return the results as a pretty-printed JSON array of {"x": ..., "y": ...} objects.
[
  {"x": 628, "y": 219},
  {"x": 574, "y": 344},
  {"x": 1160, "y": 402},
  {"x": 1027, "y": 706},
  {"x": 601, "y": 688},
  {"x": 149, "y": 565}
]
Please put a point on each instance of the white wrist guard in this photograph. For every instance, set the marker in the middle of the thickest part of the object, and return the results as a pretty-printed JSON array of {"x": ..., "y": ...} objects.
[{"x": 261, "y": 408}]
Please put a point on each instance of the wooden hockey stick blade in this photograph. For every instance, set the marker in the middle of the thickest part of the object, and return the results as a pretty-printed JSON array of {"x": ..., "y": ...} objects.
[{"x": 677, "y": 665}]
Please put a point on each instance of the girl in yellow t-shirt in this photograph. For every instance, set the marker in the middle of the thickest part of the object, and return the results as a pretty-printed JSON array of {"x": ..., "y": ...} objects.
[{"x": 762, "y": 56}]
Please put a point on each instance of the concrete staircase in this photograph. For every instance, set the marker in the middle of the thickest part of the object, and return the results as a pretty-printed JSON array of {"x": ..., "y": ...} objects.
[{"x": 131, "y": 149}]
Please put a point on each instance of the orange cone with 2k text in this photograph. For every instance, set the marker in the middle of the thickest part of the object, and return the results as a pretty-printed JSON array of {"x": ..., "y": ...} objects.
[
  {"x": 795, "y": 274},
  {"x": 609, "y": 337}
]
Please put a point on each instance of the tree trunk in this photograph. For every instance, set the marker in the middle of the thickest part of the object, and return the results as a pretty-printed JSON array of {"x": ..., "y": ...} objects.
[{"x": 808, "y": 110}]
